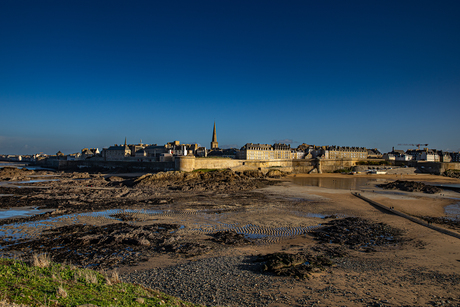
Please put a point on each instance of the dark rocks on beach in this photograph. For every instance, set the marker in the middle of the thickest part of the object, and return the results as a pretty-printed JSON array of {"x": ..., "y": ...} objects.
[
  {"x": 452, "y": 173},
  {"x": 299, "y": 265},
  {"x": 410, "y": 186},
  {"x": 229, "y": 237},
  {"x": 225, "y": 180},
  {"x": 358, "y": 233}
]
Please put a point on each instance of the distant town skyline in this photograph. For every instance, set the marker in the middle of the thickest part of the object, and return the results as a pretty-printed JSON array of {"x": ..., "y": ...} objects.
[{"x": 359, "y": 73}]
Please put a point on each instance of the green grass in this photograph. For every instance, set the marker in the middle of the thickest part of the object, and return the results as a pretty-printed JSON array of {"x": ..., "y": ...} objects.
[{"x": 64, "y": 285}]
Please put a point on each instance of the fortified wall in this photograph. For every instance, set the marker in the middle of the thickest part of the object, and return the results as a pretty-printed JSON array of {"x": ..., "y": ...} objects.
[
  {"x": 190, "y": 163},
  {"x": 437, "y": 168}
]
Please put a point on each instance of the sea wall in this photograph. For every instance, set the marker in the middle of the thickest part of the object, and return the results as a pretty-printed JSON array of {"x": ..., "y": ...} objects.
[
  {"x": 437, "y": 168},
  {"x": 190, "y": 163}
]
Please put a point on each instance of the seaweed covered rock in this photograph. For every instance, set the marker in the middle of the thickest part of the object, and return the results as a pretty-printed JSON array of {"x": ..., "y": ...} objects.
[
  {"x": 410, "y": 186},
  {"x": 452, "y": 173},
  {"x": 299, "y": 265},
  {"x": 230, "y": 237},
  {"x": 358, "y": 233}
]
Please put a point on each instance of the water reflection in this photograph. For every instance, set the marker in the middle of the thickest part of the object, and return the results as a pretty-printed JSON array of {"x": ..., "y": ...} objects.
[{"x": 348, "y": 183}]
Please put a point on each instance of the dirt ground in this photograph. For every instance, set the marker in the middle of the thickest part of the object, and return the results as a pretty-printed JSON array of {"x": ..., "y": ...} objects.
[{"x": 161, "y": 224}]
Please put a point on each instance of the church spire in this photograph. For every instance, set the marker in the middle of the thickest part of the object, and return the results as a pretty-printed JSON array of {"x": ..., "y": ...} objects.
[
  {"x": 214, "y": 143},
  {"x": 125, "y": 142}
]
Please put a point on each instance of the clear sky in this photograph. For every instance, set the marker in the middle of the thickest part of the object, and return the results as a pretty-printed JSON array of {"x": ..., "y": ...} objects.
[{"x": 77, "y": 74}]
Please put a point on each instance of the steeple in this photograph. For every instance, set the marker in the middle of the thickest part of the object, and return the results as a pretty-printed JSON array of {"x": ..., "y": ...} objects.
[
  {"x": 214, "y": 143},
  {"x": 125, "y": 142}
]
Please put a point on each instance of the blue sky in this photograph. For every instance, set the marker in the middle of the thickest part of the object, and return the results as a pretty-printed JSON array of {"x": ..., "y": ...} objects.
[{"x": 77, "y": 74}]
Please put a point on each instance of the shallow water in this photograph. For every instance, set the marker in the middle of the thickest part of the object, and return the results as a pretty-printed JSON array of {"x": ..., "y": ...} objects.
[
  {"x": 208, "y": 221},
  {"x": 453, "y": 211},
  {"x": 349, "y": 183},
  {"x": 24, "y": 165},
  {"x": 20, "y": 212},
  {"x": 18, "y": 184},
  {"x": 450, "y": 185}
]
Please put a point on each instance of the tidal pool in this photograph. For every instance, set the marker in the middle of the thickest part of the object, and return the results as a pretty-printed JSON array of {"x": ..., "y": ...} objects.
[{"x": 20, "y": 212}]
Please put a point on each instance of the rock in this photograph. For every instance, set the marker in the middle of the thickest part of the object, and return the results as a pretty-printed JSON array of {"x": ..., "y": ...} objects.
[
  {"x": 275, "y": 173},
  {"x": 299, "y": 265},
  {"x": 114, "y": 179},
  {"x": 410, "y": 186},
  {"x": 358, "y": 233}
]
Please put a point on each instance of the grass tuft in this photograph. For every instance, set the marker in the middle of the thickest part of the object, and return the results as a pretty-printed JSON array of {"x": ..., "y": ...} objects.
[
  {"x": 42, "y": 260},
  {"x": 115, "y": 279},
  {"x": 61, "y": 292},
  {"x": 91, "y": 277}
]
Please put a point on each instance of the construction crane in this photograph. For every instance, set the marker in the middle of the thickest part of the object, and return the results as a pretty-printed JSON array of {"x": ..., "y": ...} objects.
[{"x": 418, "y": 145}]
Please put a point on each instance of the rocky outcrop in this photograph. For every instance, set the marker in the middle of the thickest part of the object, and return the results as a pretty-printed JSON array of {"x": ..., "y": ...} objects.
[
  {"x": 14, "y": 174},
  {"x": 215, "y": 180},
  {"x": 299, "y": 265},
  {"x": 410, "y": 186},
  {"x": 452, "y": 173},
  {"x": 358, "y": 233}
]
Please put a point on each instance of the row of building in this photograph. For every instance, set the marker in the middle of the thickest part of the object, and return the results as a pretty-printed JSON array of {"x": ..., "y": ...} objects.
[
  {"x": 164, "y": 153},
  {"x": 250, "y": 151},
  {"x": 426, "y": 154}
]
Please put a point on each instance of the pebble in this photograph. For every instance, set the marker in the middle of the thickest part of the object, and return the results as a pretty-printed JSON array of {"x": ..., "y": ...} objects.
[{"x": 214, "y": 281}]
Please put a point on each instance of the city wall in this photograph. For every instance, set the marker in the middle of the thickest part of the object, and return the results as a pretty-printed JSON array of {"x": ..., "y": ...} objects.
[
  {"x": 189, "y": 164},
  {"x": 437, "y": 168}
]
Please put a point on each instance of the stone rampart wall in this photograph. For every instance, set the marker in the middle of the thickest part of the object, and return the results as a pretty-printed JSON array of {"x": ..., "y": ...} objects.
[
  {"x": 297, "y": 166},
  {"x": 437, "y": 168}
]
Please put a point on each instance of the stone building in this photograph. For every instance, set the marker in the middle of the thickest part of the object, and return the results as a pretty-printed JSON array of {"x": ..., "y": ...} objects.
[
  {"x": 138, "y": 150},
  {"x": 429, "y": 155},
  {"x": 455, "y": 157},
  {"x": 397, "y": 155},
  {"x": 277, "y": 151},
  {"x": 116, "y": 153},
  {"x": 345, "y": 152},
  {"x": 374, "y": 153}
]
